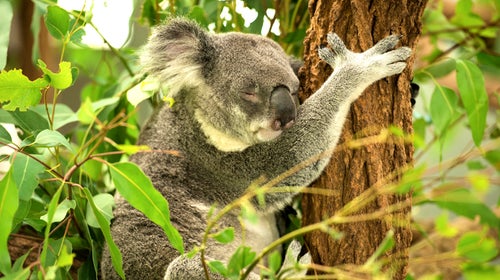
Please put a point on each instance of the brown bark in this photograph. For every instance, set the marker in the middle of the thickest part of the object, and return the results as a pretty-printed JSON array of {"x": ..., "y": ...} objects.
[{"x": 362, "y": 23}]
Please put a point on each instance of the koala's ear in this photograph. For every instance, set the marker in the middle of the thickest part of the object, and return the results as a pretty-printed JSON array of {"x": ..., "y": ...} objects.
[{"x": 179, "y": 54}]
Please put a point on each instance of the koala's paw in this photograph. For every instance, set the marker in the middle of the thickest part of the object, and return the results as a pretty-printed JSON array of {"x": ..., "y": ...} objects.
[
  {"x": 380, "y": 61},
  {"x": 336, "y": 54},
  {"x": 293, "y": 266}
]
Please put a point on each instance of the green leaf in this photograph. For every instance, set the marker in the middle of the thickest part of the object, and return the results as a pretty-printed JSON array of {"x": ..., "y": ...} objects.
[
  {"x": 479, "y": 181},
  {"x": 464, "y": 16},
  {"x": 51, "y": 209},
  {"x": 5, "y": 22},
  {"x": 61, "y": 80},
  {"x": 481, "y": 272},
  {"x": 19, "y": 263},
  {"x": 20, "y": 274},
  {"x": 56, "y": 248},
  {"x": 443, "y": 106},
  {"x": 239, "y": 260},
  {"x": 60, "y": 211},
  {"x": 88, "y": 110},
  {"x": 470, "y": 82},
  {"x": 25, "y": 171},
  {"x": 443, "y": 227},
  {"x": 51, "y": 138},
  {"x": 77, "y": 25},
  {"x": 65, "y": 258},
  {"x": 116, "y": 256},
  {"x": 57, "y": 21},
  {"x": 9, "y": 202},
  {"x": 30, "y": 121},
  {"x": 493, "y": 157},
  {"x": 138, "y": 190},
  {"x": 274, "y": 261},
  {"x": 18, "y": 91},
  {"x": 63, "y": 114},
  {"x": 224, "y": 236},
  {"x": 477, "y": 247},
  {"x": 5, "y": 135},
  {"x": 412, "y": 180},
  {"x": 218, "y": 267},
  {"x": 463, "y": 203},
  {"x": 85, "y": 113},
  {"x": 104, "y": 202}
]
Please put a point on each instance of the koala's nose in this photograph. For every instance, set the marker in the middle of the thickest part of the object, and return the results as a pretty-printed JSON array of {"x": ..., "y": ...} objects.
[{"x": 284, "y": 108}]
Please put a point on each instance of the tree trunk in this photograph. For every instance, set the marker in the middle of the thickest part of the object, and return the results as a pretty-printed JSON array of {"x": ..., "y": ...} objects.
[{"x": 352, "y": 171}]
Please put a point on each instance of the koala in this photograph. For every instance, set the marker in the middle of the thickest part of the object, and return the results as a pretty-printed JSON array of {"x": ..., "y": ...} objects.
[{"x": 236, "y": 120}]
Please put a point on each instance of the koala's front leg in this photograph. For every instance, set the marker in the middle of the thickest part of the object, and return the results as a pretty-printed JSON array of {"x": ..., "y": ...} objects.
[
  {"x": 359, "y": 70},
  {"x": 321, "y": 117}
]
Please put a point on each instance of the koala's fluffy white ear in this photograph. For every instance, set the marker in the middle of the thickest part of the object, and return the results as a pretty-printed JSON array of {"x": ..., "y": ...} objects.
[{"x": 178, "y": 55}]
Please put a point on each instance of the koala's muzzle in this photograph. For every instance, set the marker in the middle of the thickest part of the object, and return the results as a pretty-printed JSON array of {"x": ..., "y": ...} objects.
[{"x": 283, "y": 107}]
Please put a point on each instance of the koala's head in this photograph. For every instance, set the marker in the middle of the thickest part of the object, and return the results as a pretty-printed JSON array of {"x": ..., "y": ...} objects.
[{"x": 241, "y": 86}]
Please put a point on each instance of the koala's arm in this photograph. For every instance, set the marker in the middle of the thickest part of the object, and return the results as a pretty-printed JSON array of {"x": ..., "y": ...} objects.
[{"x": 320, "y": 119}]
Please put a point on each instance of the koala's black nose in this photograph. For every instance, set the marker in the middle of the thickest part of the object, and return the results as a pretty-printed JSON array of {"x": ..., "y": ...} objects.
[{"x": 284, "y": 108}]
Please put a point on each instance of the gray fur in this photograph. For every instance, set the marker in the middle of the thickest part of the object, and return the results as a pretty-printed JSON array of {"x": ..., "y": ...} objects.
[{"x": 224, "y": 125}]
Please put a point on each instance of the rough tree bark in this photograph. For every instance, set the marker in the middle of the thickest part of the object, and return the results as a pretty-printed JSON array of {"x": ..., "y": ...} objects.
[{"x": 362, "y": 23}]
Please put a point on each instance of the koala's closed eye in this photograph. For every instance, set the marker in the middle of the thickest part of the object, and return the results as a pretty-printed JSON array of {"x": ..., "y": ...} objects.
[{"x": 250, "y": 96}]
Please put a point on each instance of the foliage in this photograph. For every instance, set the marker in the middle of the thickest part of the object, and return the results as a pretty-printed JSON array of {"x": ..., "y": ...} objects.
[{"x": 67, "y": 161}]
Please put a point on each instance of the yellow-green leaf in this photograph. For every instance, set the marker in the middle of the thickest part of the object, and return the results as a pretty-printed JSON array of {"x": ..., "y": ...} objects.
[
  {"x": 61, "y": 80},
  {"x": 18, "y": 91}
]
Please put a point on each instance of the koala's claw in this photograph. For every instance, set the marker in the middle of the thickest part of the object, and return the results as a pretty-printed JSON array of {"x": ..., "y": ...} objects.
[
  {"x": 337, "y": 53},
  {"x": 327, "y": 55},
  {"x": 384, "y": 45},
  {"x": 337, "y": 44}
]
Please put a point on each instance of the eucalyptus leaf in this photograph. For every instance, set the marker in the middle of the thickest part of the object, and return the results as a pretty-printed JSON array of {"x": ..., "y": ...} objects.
[
  {"x": 51, "y": 138},
  {"x": 239, "y": 260},
  {"x": 30, "y": 121},
  {"x": 57, "y": 21},
  {"x": 5, "y": 135},
  {"x": 63, "y": 114},
  {"x": 224, "y": 236},
  {"x": 49, "y": 218},
  {"x": 116, "y": 256},
  {"x": 218, "y": 267},
  {"x": 470, "y": 82},
  {"x": 138, "y": 190},
  {"x": 104, "y": 202},
  {"x": 477, "y": 247},
  {"x": 462, "y": 202},
  {"x": 444, "y": 102},
  {"x": 9, "y": 202},
  {"x": 274, "y": 261},
  {"x": 60, "y": 212},
  {"x": 25, "y": 171}
]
